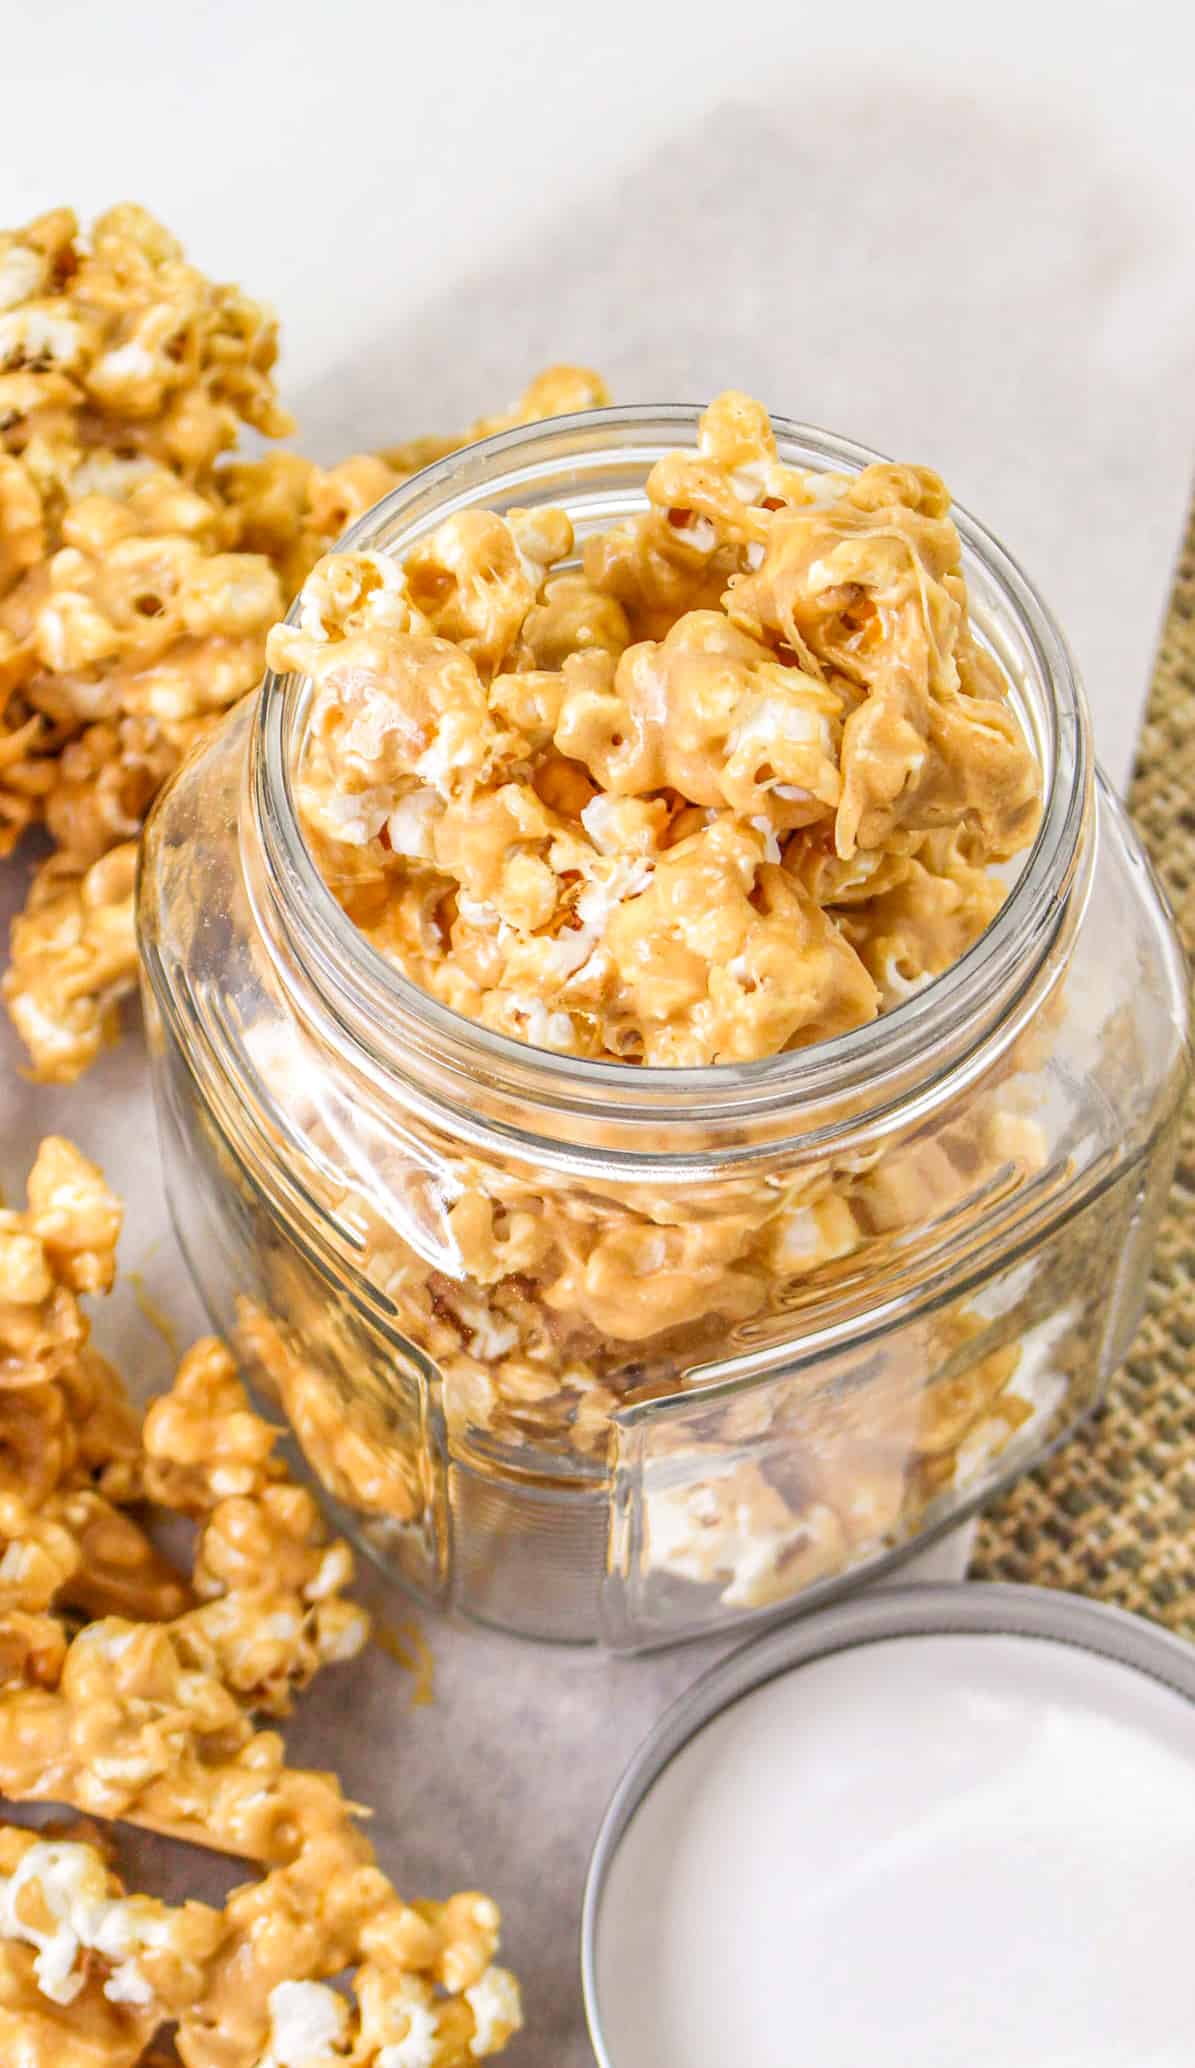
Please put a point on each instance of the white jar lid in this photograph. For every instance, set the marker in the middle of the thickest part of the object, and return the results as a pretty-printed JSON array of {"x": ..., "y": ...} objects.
[{"x": 951, "y": 1826}]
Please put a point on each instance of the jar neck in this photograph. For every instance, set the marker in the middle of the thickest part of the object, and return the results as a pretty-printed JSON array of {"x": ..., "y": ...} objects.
[{"x": 404, "y": 1047}]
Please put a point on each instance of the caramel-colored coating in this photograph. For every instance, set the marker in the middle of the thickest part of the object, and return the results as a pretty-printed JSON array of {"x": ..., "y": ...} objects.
[
  {"x": 738, "y": 782},
  {"x": 89, "y": 1974},
  {"x": 140, "y": 569},
  {"x": 660, "y": 851}
]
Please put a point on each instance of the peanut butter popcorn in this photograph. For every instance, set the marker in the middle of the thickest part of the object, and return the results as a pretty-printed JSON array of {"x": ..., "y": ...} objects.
[
  {"x": 738, "y": 801},
  {"x": 127, "y": 616},
  {"x": 74, "y": 960},
  {"x": 61, "y": 1245},
  {"x": 265, "y": 1606},
  {"x": 89, "y": 1974},
  {"x": 727, "y": 780},
  {"x": 140, "y": 569},
  {"x": 128, "y": 1691}
]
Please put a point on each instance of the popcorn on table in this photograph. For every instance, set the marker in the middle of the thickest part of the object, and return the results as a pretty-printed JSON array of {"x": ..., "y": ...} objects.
[
  {"x": 141, "y": 566},
  {"x": 128, "y": 1691}
]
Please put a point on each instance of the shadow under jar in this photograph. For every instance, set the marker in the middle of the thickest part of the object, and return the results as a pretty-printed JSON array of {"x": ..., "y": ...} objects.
[{"x": 608, "y": 1353}]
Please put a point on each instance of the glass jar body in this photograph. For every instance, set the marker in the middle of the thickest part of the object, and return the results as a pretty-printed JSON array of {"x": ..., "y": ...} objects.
[{"x": 592, "y": 1386}]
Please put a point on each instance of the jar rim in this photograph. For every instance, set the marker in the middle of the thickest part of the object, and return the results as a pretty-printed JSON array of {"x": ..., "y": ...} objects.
[{"x": 398, "y": 1025}]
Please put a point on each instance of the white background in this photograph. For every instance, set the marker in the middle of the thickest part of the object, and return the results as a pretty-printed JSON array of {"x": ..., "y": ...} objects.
[{"x": 960, "y": 234}]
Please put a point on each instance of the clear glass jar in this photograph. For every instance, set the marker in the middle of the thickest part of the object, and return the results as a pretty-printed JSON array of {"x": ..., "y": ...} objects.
[{"x": 598, "y": 1352}]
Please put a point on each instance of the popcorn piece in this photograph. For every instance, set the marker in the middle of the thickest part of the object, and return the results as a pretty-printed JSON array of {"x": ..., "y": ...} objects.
[
  {"x": 474, "y": 584},
  {"x": 203, "y": 1442},
  {"x": 64, "y": 1243},
  {"x": 732, "y": 1529},
  {"x": 274, "y": 1612},
  {"x": 271, "y": 1580},
  {"x": 921, "y": 926},
  {"x": 870, "y": 586},
  {"x": 37, "y": 1560},
  {"x": 74, "y": 958},
  {"x": 144, "y": 1715},
  {"x": 124, "y": 619},
  {"x": 74, "y": 1216},
  {"x": 105, "y": 1430}
]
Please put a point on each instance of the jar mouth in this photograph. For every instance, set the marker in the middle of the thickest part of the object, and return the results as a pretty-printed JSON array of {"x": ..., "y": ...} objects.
[{"x": 595, "y": 460}]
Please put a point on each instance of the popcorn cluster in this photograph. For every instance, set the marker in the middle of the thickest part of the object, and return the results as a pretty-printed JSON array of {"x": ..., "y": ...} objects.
[
  {"x": 734, "y": 785},
  {"x": 140, "y": 570},
  {"x": 129, "y": 1690}
]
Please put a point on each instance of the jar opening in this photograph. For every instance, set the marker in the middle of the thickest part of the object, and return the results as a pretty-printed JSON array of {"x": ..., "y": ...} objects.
[{"x": 594, "y": 465}]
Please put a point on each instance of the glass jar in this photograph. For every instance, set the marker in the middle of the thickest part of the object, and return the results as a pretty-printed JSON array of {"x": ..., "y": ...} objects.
[{"x": 601, "y": 1352}]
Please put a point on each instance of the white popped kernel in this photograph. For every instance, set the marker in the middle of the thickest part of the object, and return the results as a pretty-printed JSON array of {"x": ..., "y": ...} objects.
[
  {"x": 130, "y": 361},
  {"x": 335, "y": 1570},
  {"x": 127, "y": 1984},
  {"x": 103, "y": 473},
  {"x": 409, "y": 826},
  {"x": 477, "y": 912},
  {"x": 706, "y": 1534},
  {"x": 347, "y": 1641},
  {"x": 622, "y": 878},
  {"x": 417, "y": 2047},
  {"x": 601, "y": 818},
  {"x": 896, "y": 986},
  {"x": 283, "y": 1626},
  {"x": 700, "y": 535},
  {"x": 490, "y": 1336},
  {"x": 628, "y": 878},
  {"x": 438, "y": 761},
  {"x": 824, "y": 488},
  {"x": 494, "y": 2002},
  {"x": 493, "y": 1341},
  {"x": 308, "y": 2026},
  {"x": 229, "y": 1479},
  {"x": 542, "y": 1027},
  {"x": 21, "y": 273},
  {"x": 750, "y": 480},
  {"x": 774, "y": 720},
  {"x": 32, "y": 335},
  {"x": 73, "y": 1884}
]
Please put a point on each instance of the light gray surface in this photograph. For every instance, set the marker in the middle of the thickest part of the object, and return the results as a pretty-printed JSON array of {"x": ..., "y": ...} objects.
[{"x": 939, "y": 273}]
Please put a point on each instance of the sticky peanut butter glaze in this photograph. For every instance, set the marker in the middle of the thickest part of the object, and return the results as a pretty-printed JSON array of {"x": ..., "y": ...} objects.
[
  {"x": 732, "y": 786},
  {"x": 133, "y": 1692}
]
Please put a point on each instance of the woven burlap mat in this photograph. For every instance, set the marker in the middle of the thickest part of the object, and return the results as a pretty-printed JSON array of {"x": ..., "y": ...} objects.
[{"x": 1113, "y": 1512}]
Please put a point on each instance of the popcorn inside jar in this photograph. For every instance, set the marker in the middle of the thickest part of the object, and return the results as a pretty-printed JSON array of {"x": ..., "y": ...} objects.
[
  {"x": 674, "y": 1035},
  {"x": 731, "y": 781}
]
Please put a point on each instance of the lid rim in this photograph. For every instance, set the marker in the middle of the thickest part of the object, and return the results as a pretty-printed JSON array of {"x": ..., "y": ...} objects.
[{"x": 947, "y": 1608}]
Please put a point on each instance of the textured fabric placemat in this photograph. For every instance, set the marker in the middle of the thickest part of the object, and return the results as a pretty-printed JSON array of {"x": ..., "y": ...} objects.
[{"x": 1113, "y": 1512}]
